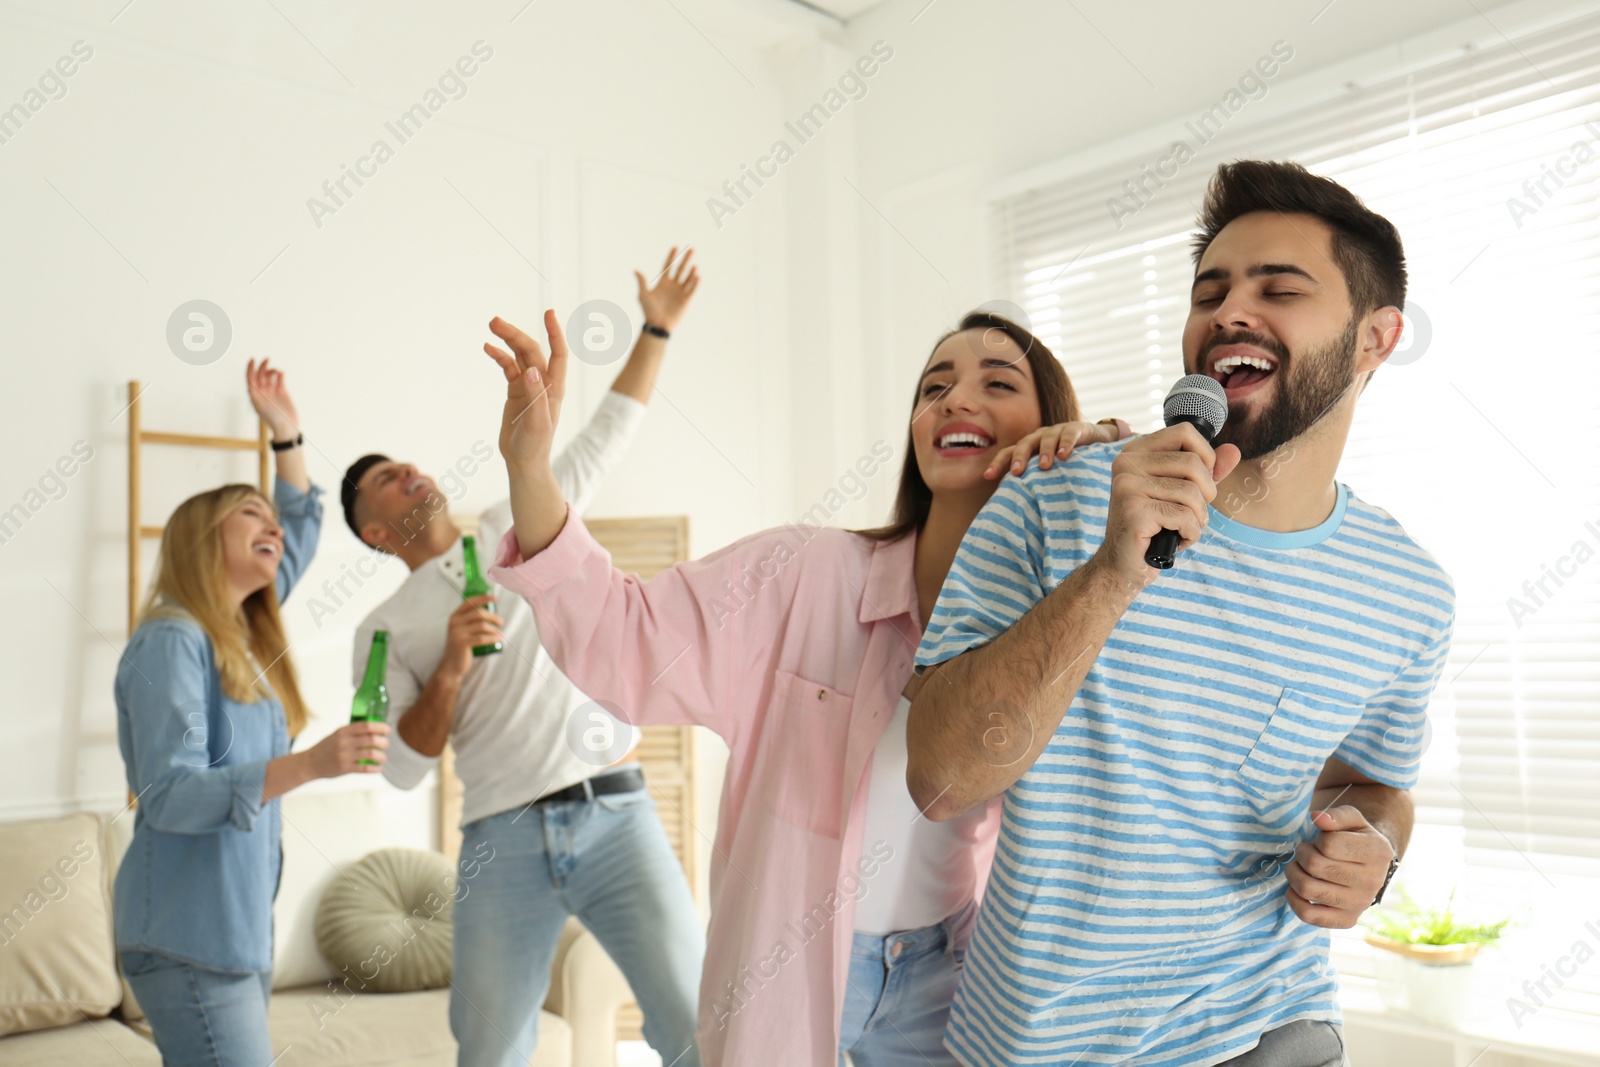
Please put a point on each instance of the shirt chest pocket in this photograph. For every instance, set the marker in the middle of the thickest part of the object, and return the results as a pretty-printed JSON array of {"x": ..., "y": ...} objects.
[
  {"x": 802, "y": 765},
  {"x": 247, "y": 733},
  {"x": 1297, "y": 740}
]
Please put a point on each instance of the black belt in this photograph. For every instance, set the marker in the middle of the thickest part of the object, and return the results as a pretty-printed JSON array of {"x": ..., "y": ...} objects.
[{"x": 627, "y": 780}]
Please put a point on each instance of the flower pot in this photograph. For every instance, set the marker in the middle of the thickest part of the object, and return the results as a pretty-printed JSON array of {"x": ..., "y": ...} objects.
[{"x": 1431, "y": 982}]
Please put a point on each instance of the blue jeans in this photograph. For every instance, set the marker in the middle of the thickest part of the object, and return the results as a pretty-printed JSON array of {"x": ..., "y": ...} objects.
[
  {"x": 897, "y": 1003},
  {"x": 201, "y": 1017},
  {"x": 522, "y": 872}
]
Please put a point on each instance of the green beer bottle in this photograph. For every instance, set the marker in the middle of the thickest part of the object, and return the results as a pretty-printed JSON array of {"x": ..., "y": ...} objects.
[
  {"x": 372, "y": 699},
  {"x": 476, "y": 586}
]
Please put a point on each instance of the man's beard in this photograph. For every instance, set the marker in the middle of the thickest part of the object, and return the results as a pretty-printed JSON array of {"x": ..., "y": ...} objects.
[{"x": 1313, "y": 382}]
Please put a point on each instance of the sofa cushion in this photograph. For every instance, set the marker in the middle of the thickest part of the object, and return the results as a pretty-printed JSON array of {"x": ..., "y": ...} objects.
[
  {"x": 314, "y": 1025},
  {"x": 101, "y": 1043},
  {"x": 325, "y": 829},
  {"x": 384, "y": 923},
  {"x": 57, "y": 951}
]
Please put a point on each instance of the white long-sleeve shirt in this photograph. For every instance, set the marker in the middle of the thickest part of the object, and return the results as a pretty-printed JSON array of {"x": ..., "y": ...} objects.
[{"x": 521, "y": 728}]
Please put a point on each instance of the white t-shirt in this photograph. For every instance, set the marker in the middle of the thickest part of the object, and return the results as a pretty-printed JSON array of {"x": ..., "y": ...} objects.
[
  {"x": 929, "y": 876},
  {"x": 521, "y": 728}
]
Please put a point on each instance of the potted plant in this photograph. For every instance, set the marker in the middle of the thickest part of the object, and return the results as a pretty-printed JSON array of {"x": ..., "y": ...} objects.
[{"x": 1424, "y": 963}]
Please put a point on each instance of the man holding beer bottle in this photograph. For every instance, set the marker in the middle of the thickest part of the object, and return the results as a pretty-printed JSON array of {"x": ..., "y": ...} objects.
[{"x": 551, "y": 790}]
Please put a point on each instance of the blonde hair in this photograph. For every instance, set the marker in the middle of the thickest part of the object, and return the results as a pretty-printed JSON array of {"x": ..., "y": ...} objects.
[{"x": 191, "y": 580}]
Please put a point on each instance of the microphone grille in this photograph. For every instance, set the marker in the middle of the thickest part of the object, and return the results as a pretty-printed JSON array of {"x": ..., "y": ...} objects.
[{"x": 1199, "y": 397}]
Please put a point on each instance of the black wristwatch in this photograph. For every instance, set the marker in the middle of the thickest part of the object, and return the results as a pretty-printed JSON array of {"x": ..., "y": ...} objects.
[
  {"x": 1394, "y": 865},
  {"x": 284, "y": 446},
  {"x": 656, "y": 331}
]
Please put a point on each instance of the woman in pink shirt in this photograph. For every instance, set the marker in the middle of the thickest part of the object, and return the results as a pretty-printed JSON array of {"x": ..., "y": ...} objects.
[{"x": 839, "y": 916}]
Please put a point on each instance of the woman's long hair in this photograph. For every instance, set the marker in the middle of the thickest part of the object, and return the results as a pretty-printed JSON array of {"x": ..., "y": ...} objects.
[
  {"x": 1057, "y": 404},
  {"x": 191, "y": 580}
]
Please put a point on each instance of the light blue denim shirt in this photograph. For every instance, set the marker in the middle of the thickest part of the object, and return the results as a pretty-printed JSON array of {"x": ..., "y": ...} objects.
[{"x": 202, "y": 870}]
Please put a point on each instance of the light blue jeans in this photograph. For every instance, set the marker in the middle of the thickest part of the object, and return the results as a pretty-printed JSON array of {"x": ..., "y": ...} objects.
[
  {"x": 897, "y": 1003},
  {"x": 201, "y": 1017},
  {"x": 522, "y": 872}
]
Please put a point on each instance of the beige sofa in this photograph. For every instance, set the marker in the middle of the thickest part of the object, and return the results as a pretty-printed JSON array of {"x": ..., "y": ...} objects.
[{"x": 63, "y": 1002}]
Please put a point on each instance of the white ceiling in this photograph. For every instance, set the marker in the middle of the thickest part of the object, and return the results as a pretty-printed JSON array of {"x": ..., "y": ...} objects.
[{"x": 1015, "y": 83}]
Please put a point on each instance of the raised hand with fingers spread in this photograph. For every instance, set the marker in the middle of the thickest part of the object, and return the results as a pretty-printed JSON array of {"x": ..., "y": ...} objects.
[
  {"x": 665, "y": 302},
  {"x": 534, "y": 388}
]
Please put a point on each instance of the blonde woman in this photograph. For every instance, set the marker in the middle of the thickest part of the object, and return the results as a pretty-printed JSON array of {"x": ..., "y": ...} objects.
[{"x": 207, "y": 705}]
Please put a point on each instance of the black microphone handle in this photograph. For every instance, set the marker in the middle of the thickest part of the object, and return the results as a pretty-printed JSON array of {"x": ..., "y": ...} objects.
[{"x": 1163, "y": 548}]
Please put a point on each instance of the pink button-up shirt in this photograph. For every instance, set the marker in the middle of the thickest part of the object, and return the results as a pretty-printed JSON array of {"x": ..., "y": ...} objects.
[{"x": 793, "y": 645}]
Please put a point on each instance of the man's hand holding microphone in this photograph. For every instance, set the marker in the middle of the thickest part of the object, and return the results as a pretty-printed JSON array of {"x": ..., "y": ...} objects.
[{"x": 1162, "y": 485}]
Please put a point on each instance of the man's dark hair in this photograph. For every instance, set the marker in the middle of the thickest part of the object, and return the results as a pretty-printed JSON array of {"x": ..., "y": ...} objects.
[
  {"x": 347, "y": 488},
  {"x": 1366, "y": 246}
]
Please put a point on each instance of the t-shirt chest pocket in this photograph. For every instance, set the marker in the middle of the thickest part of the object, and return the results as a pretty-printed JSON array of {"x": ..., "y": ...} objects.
[
  {"x": 1296, "y": 741},
  {"x": 808, "y": 730}
]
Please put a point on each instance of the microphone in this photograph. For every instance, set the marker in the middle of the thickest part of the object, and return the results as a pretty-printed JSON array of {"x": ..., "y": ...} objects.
[{"x": 1199, "y": 400}]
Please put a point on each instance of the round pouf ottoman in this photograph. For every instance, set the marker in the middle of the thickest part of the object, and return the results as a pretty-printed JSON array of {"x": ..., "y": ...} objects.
[{"x": 384, "y": 924}]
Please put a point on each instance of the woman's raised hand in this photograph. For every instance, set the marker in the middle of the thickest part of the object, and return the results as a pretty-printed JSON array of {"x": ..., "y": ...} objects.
[
  {"x": 1051, "y": 443},
  {"x": 534, "y": 388},
  {"x": 270, "y": 397}
]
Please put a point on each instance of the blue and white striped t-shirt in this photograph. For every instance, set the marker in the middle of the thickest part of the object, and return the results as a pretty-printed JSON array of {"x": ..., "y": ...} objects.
[{"x": 1136, "y": 911}]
